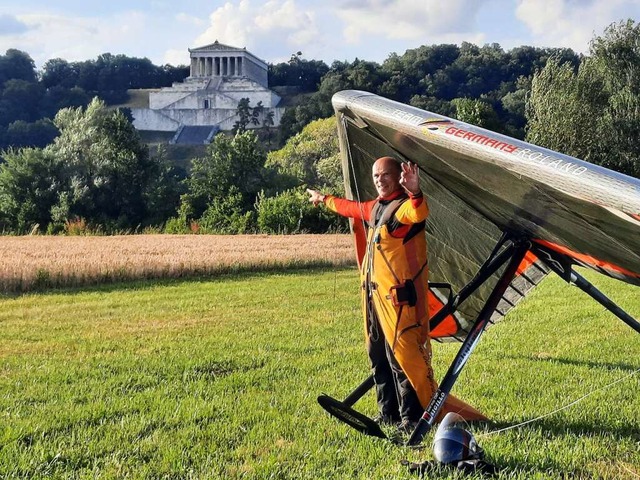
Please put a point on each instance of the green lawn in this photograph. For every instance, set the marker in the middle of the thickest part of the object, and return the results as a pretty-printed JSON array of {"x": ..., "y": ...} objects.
[{"x": 218, "y": 378}]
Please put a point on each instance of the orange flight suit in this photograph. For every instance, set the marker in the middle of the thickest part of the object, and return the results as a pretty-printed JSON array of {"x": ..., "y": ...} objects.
[{"x": 394, "y": 278}]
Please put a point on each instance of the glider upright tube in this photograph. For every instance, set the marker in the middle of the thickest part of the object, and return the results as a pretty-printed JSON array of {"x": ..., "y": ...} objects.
[{"x": 437, "y": 401}]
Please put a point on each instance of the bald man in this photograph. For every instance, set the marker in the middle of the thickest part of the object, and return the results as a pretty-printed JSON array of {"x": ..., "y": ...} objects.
[{"x": 394, "y": 277}]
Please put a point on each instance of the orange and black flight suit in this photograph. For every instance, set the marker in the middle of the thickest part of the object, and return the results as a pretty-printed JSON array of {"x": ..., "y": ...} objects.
[{"x": 394, "y": 278}]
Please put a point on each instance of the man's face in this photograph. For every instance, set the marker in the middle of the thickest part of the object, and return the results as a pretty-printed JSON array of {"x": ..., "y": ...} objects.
[{"x": 386, "y": 177}]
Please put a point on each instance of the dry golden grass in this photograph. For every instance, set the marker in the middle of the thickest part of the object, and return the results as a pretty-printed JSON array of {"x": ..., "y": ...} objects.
[{"x": 33, "y": 262}]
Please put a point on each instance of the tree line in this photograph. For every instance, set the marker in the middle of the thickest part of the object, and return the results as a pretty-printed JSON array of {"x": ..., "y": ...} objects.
[
  {"x": 29, "y": 99},
  {"x": 95, "y": 174},
  {"x": 98, "y": 177}
]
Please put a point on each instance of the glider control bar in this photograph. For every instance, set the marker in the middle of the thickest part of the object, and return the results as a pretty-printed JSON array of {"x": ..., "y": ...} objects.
[{"x": 437, "y": 401}]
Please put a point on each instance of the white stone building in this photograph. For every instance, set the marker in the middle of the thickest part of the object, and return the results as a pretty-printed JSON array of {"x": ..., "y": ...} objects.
[{"x": 220, "y": 77}]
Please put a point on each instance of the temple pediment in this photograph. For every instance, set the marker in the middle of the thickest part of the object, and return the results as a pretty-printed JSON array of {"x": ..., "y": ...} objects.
[{"x": 217, "y": 47}]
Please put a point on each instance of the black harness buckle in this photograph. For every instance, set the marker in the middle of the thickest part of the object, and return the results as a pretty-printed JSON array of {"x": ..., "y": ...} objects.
[{"x": 404, "y": 294}]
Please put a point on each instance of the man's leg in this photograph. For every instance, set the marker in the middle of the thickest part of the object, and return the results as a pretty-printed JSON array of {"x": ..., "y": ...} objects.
[
  {"x": 410, "y": 407},
  {"x": 383, "y": 375}
]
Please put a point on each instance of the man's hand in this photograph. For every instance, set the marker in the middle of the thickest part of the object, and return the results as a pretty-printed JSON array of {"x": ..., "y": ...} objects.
[
  {"x": 316, "y": 197},
  {"x": 409, "y": 178}
]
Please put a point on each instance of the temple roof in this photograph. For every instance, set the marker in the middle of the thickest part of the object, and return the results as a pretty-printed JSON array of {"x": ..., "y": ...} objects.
[
  {"x": 221, "y": 48},
  {"x": 217, "y": 47}
]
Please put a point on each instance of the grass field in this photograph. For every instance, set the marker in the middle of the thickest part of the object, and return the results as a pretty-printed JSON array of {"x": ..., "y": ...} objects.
[{"x": 218, "y": 378}]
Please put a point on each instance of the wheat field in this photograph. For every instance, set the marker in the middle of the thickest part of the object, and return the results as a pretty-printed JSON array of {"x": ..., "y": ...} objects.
[{"x": 34, "y": 262}]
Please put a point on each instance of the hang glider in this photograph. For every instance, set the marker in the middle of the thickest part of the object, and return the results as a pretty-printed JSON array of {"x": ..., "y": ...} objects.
[{"x": 503, "y": 214}]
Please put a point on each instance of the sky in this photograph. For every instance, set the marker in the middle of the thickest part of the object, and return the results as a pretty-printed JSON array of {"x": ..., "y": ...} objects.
[{"x": 273, "y": 30}]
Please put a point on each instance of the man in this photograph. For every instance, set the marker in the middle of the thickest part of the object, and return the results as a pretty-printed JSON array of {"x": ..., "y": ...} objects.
[{"x": 394, "y": 278}]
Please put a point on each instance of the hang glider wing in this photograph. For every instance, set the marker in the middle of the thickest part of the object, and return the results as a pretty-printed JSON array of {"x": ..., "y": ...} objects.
[{"x": 481, "y": 186}]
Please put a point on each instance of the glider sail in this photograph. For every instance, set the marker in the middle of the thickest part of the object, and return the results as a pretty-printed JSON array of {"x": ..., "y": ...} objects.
[{"x": 481, "y": 187}]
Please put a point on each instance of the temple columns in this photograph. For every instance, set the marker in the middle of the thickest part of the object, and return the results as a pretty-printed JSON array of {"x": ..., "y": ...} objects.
[{"x": 217, "y": 66}]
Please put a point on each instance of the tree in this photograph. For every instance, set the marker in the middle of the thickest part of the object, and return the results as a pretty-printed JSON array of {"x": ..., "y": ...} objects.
[
  {"x": 476, "y": 112},
  {"x": 291, "y": 212},
  {"x": 616, "y": 61},
  {"x": 31, "y": 181},
  {"x": 298, "y": 72},
  {"x": 231, "y": 163},
  {"x": 22, "y": 134},
  {"x": 248, "y": 115},
  {"x": 592, "y": 113},
  {"x": 57, "y": 72},
  {"x": 227, "y": 215},
  {"x": 108, "y": 168},
  {"x": 20, "y": 100},
  {"x": 165, "y": 186},
  {"x": 311, "y": 157},
  {"x": 57, "y": 97},
  {"x": 514, "y": 106},
  {"x": 18, "y": 65}
]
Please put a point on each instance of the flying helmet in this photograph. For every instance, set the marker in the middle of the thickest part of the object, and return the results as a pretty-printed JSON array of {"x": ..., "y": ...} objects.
[{"x": 453, "y": 444}]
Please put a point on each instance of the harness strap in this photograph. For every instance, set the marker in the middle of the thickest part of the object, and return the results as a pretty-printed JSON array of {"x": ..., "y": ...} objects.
[{"x": 385, "y": 211}]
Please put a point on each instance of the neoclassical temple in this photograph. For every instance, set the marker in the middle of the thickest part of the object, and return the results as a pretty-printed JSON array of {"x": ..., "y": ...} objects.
[
  {"x": 217, "y": 60},
  {"x": 220, "y": 76}
]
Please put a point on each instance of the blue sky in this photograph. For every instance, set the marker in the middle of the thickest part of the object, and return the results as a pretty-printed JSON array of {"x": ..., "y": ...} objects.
[{"x": 328, "y": 30}]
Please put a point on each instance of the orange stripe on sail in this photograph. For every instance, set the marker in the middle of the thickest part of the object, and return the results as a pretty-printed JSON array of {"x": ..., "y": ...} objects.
[
  {"x": 588, "y": 259},
  {"x": 528, "y": 260}
]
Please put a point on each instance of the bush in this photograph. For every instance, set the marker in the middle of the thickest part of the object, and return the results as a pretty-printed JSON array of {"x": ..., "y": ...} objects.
[
  {"x": 291, "y": 212},
  {"x": 180, "y": 224},
  {"x": 76, "y": 226},
  {"x": 176, "y": 225},
  {"x": 226, "y": 215}
]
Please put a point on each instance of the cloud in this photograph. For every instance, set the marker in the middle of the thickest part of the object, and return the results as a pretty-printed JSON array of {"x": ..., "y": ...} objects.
[
  {"x": 79, "y": 38},
  {"x": 10, "y": 25},
  {"x": 176, "y": 57},
  {"x": 406, "y": 19},
  {"x": 571, "y": 23},
  {"x": 190, "y": 19},
  {"x": 276, "y": 28}
]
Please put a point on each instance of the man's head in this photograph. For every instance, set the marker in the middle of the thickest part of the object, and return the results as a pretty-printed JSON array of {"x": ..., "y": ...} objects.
[{"x": 386, "y": 175}]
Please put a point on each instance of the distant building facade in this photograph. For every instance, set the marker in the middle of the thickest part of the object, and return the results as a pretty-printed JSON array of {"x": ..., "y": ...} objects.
[{"x": 220, "y": 76}]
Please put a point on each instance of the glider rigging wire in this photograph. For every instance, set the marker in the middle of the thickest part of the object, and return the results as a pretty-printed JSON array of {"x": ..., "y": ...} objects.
[{"x": 511, "y": 427}]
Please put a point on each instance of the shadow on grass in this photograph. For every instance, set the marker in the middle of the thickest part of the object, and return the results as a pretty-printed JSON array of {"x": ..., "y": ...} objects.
[
  {"x": 560, "y": 426},
  {"x": 551, "y": 429},
  {"x": 557, "y": 427},
  {"x": 110, "y": 284},
  {"x": 578, "y": 363}
]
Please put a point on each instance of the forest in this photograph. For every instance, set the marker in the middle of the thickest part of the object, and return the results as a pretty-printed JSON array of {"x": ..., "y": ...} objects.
[{"x": 72, "y": 164}]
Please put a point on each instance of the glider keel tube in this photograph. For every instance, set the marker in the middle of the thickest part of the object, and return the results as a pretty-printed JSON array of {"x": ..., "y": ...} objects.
[{"x": 437, "y": 401}]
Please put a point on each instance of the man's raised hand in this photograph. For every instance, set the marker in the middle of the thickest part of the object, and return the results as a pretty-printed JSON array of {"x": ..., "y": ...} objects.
[{"x": 410, "y": 179}]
